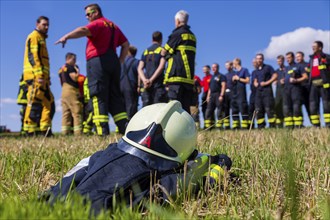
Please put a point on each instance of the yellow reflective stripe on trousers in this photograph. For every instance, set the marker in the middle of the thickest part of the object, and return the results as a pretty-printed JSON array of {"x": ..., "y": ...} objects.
[
  {"x": 100, "y": 118},
  {"x": 271, "y": 120},
  {"x": 261, "y": 120},
  {"x": 244, "y": 123},
  {"x": 96, "y": 111},
  {"x": 326, "y": 86},
  {"x": 322, "y": 67},
  {"x": 95, "y": 106},
  {"x": 30, "y": 128},
  {"x": 66, "y": 128},
  {"x": 315, "y": 119},
  {"x": 207, "y": 123},
  {"x": 169, "y": 49},
  {"x": 226, "y": 122},
  {"x": 44, "y": 126},
  {"x": 218, "y": 124},
  {"x": 327, "y": 117},
  {"x": 298, "y": 120},
  {"x": 235, "y": 124},
  {"x": 120, "y": 116},
  {"x": 288, "y": 121},
  {"x": 77, "y": 128}
]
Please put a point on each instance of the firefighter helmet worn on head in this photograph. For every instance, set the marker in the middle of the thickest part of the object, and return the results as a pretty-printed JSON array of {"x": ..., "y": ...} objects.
[{"x": 164, "y": 130}]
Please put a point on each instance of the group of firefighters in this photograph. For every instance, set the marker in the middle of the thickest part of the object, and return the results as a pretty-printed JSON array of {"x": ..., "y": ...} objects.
[
  {"x": 298, "y": 83},
  {"x": 114, "y": 87}
]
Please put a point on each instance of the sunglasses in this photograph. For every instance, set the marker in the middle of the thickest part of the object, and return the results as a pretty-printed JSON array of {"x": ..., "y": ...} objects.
[{"x": 90, "y": 13}]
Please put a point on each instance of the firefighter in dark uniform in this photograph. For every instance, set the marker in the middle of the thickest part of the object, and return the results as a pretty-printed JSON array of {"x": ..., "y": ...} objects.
[
  {"x": 319, "y": 73},
  {"x": 129, "y": 82},
  {"x": 152, "y": 78},
  {"x": 180, "y": 51},
  {"x": 22, "y": 101},
  {"x": 215, "y": 99},
  {"x": 228, "y": 96},
  {"x": 253, "y": 90},
  {"x": 264, "y": 101},
  {"x": 292, "y": 98},
  {"x": 239, "y": 101},
  {"x": 103, "y": 68},
  {"x": 305, "y": 85},
  {"x": 279, "y": 91}
]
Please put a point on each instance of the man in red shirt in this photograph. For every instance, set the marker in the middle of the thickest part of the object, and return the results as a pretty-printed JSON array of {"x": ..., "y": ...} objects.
[
  {"x": 103, "y": 67},
  {"x": 205, "y": 84},
  {"x": 319, "y": 76}
]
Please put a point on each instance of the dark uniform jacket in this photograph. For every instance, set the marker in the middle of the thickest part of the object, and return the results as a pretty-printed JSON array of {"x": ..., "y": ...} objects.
[
  {"x": 324, "y": 67},
  {"x": 151, "y": 58},
  {"x": 181, "y": 48},
  {"x": 123, "y": 171}
]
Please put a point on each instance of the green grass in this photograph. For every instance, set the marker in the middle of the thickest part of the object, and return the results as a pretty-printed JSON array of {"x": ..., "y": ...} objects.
[{"x": 284, "y": 174}]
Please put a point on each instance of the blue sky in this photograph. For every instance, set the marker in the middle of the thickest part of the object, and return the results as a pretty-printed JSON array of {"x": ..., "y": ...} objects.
[{"x": 224, "y": 30}]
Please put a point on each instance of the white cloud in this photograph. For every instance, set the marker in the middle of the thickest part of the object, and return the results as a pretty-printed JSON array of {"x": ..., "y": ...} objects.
[
  {"x": 300, "y": 39},
  {"x": 15, "y": 116},
  {"x": 58, "y": 106},
  {"x": 6, "y": 101}
]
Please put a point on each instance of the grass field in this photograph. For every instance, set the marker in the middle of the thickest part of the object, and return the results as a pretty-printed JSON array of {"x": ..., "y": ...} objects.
[{"x": 283, "y": 174}]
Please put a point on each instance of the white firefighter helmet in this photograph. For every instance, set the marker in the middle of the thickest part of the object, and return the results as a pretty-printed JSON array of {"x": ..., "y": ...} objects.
[{"x": 164, "y": 130}]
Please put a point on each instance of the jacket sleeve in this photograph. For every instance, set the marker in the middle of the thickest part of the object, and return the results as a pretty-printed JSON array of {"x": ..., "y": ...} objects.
[
  {"x": 205, "y": 169},
  {"x": 33, "y": 47},
  {"x": 71, "y": 179}
]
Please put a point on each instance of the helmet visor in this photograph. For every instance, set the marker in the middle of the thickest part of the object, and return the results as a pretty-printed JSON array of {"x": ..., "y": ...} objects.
[{"x": 152, "y": 138}]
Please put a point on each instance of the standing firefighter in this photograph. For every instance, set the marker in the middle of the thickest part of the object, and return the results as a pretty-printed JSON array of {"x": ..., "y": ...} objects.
[
  {"x": 279, "y": 91},
  {"x": 129, "y": 82},
  {"x": 292, "y": 97},
  {"x": 305, "y": 85},
  {"x": 239, "y": 101},
  {"x": 229, "y": 94},
  {"x": 153, "y": 63},
  {"x": 40, "y": 107},
  {"x": 180, "y": 51},
  {"x": 103, "y": 68},
  {"x": 215, "y": 98},
  {"x": 252, "y": 95},
  {"x": 22, "y": 101},
  {"x": 319, "y": 72},
  {"x": 265, "y": 76},
  {"x": 71, "y": 105}
]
